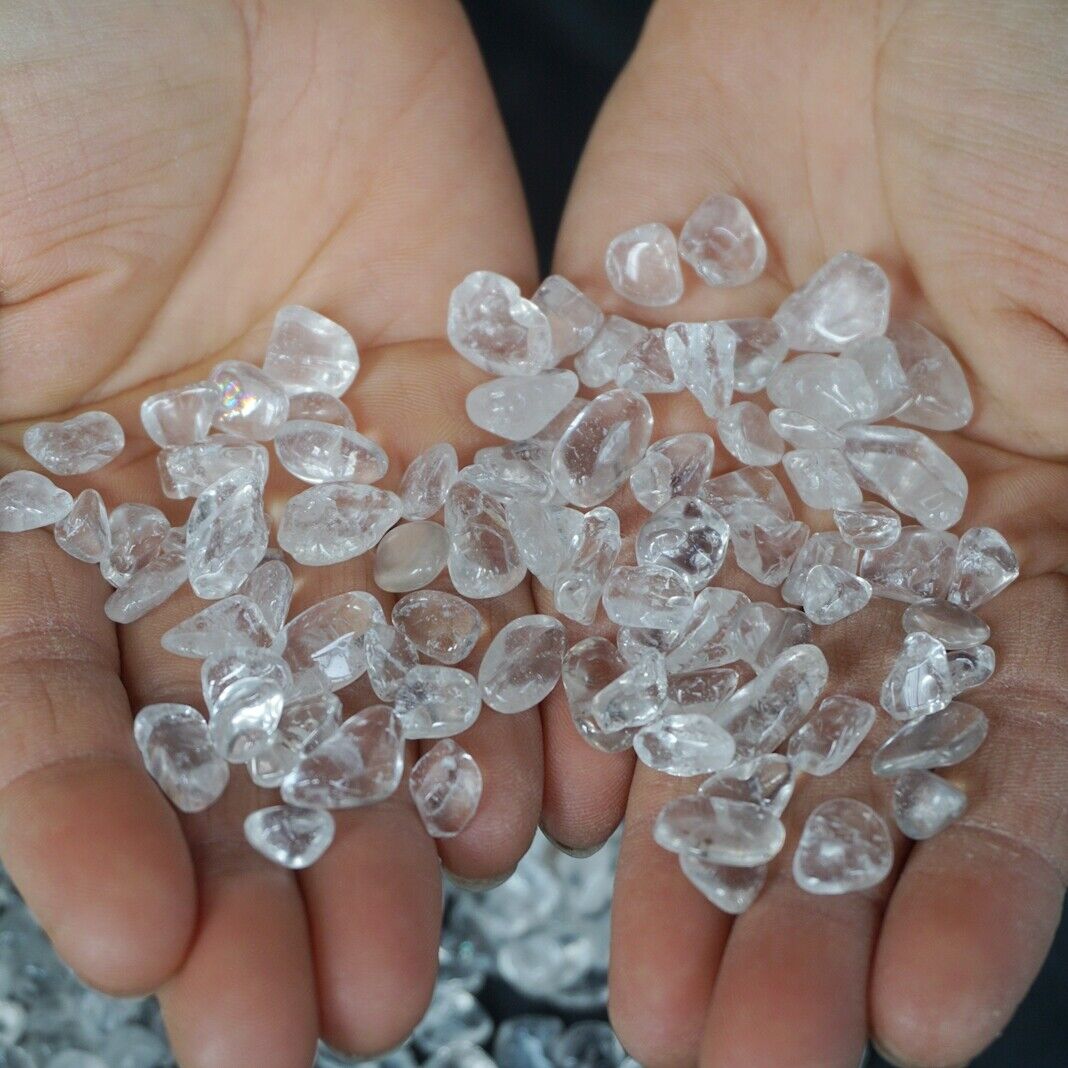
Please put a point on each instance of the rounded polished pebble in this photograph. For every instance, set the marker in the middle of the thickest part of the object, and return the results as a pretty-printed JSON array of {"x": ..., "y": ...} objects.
[
  {"x": 918, "y": 564},
  {"x": 244, "y": 716},
  {"x": 646, "y": 367},
  {"x": 747, "y": 434},
  {"x": 760, "y": 348},
  {"x": 590, "y": 665},
  {"x": 85, "y": 443},
  {"x": 869, "y": 525},
  {"x": 672, "y": 467},
  {"x": 939, "y": 398},
  {"x": 953, "y": 626},
  {"x": 731, "y": 890},
  {"x": 307, "y": 352},
  {"x": 702, "y": 356},
  {"x": 844, "y": 847},
  {"x": 831, "y": 594},
  {"x": 84, "y": 532},
  {"x": 187, "y": 470},
  {"x": 579, "y": 584},
  {"x": 411, "y": 556},
  {"x": 925, "y": 803},
  {"x": 938, "y": 740},
  {"x": 642, "y": 265},
  {"x": 325, "y": 452},
  {"x": 252, "y": 405},
  {"x": 484, "y": 560},
  {"x": 337, "y": 521},
  {"x": 136, "y": 534},
  {"x": 290, "y": 836},
  {"x": 831, "y": 735},
  {"x": 647, "y": 596},
  {"x": 222, "y": 669},
  {"x": 522, "y": 664},
  {"x": 390, "y": 656},
  {"x": 803, "y": 431},
  {"x": 822, "y": 478},
  {"x": 446, "y": 786},
  {"x": 29, "y": 501},
  {"x": 969, "y": 668},
  {"x": 427, "y": 480},
  {"x": 321, "y": 408},
  {"x": 178, "y": 753},
  {"x": 230, "y": 624},
  {"x": 760, "y": 632},
  {"x": 573, "y": 317},
  {"x": 598, "y": 362},
  {"x": 882, "y": 368},
  {"x": 305, "y": 722},
  {"x": 149, "y": 586},
  {"x": 518, "y": 407},
  {"x": 633, "y": 699},
  {"x": 919, "y": 681},
  {"x": 686, "y": 536},
  {"x": 722, "y": 243},
  {"x": 984, "y": 566},
  {"x": 181, "y": 416},
  {"x": 436, "y": 702},
  {"x": 767, "y": 781},
  {"x": 271, "y": 587},
  {"x": 737, "y": 833},
  {"x": 832, "y": 390},
  {"x": 700, "y": 691},
  {"x": 684, "y": 743},
  {"x": 440, "y": 625}
]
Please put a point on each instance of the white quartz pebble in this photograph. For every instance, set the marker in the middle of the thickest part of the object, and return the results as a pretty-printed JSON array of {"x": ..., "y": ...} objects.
[
  {"x": 803, "y": 431},
  {"x": 746, "y": 493},
  {"x": 446, "y": 785},
  {"x": 760, "y": 632},
  {"x": 822, "y": 478},
  {"x": 831, "y": 735},
  {"x": 598, "y": 362},
  {"x": 919, "y": 681},
  {"x": 518, "y": 407},
  {"x": 85, "y": 443},
  {"x": 230, "y": 624},
  {"x": 522, "y": 664},
  {"x": 642, "y": 265},
  {"x": 686, "y": 536},
  {"x": 732, "y": 890},
  {"x": 271, "y": 586},
  {"x": 149, "y": 586},
  {"x": 84, "y": 532},
  {"x": 844, "y": 847},
  {"x": 252, "y": 404},
  {"x": 760, "y": 348},
  {"x": 768, "y": 781},
  {"x": 723, "y": 831},
  {"x": 953, "y": 626},
  {"x": 323, "y": 646},
  {"x": 483, "y": 558},
  {"x": 747, "y": 434},
  {"x": 823, "y": 547},
  {"x": 244, "y": 716},
  {"x": 589, "y": 667},
  {"x": 546, "y": 538},
  {"x": 939, "y": 398},
  {"x": 305, "y": 722},
  {"x": 324, "y": 452},
  {"x": 504, "y": 476},
  {"x": 390, "y": 656},
  {"x": 702, "y": 355},
  {"x": 672, "y": 467},
  {"x": 292, "y": 837},
  {"x": 411, "y": 556},
  {"x": 29, "y": 500},
  {"x": 684, "y": 743},
  {"x": 985, "y": 564},
  {"x": 647, "y": 596},
  {"x": 700, "y": 691},
  {"x": 436, "y": 702},
  {"x": 918, "y": 564},
  {"x": 427, "y": 480},
  {"x": 706, "y": 639},
  {"x": 580, "y": 582},
  {"x": 925, "y": 804},
  {"x": 832, "y": 594},
  {"x": 440, "y": 625},
  {"x": 336, "y": 521},
  {"x": 722, "y": 243},
  {"x": 764, "y": 544},
  {"x": 181, "y": 416},
  {"x": 573, "y": 318},
  {"x": 173, "y": 740},
  {"x": 831, "y": 389},
  {"x": 869, "y": 525},
  {"x": 307, "y": 352},
  {"x": 187, "y": 470},
  {"x": 937, "y": 740}
]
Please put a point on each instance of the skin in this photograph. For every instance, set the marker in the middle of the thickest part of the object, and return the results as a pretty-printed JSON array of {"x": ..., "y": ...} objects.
[{"x": 173, "y": 173}]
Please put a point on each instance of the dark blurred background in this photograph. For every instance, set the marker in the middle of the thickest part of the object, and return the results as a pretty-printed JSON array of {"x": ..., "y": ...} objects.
[{"x": 552, "y": 63}]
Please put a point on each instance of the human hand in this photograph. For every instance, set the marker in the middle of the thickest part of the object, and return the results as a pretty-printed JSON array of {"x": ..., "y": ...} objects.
[{"x": 929, "y": 136}]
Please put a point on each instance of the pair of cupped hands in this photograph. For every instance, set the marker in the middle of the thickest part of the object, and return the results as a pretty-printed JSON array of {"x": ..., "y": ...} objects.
[{"x": 171, "y": 174}]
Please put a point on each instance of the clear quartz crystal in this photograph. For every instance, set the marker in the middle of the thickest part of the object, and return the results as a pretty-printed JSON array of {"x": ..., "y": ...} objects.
[
  {"x": 939, "y": 398},
  {"x": 324, "y": 452},
  {"x": 271, "y": 586},
  {"x": 180, "y": 416},
  {"x": 483, "y": 558},
  {"x": 760, "y": 348},
  {"x": 882, "y": 368},
  {"x": 292, "y": 837},
  {"x": 684, "y": 743},
  {"x": 307, "y": 352},
  {"x": 440, "y": 625},
  {"x": 748, "y": 436},
  {"x": 953, "y": 626},
  {"x": 822, "y": 478},
  {"x": 647, "y": 596},
  {"x": 305, "y": 722},
  {"x": 589, "y": 666},
  {"x": 672, "y": 467},
  {"x": 446, "y": 785},
  {"x": 221, "y": 670},
  {"x": 937, "y": 740},
  {"x": 702, "y": 355},
  {"x": 85, "y": 443},
  {"x": 918, "y": 564},
  {"x": 545, "y": 538},
  {"x": 869, "y": 525},
  {"x": 437, "y": 702},
  {"x": 427, "y": 480},
  {"x": 506, "y": 476},
  {"x": 494, "y": 327},
  {"x": 760, "y": 632},
  {"x": 687, "y": 536},
  {"x": 137, "y": 533},
  {"x": 244, "y": 717},
  {"x": 832, "y": 594},
  {"x": 522, "y": 664},
  {"x": 321, "y": 408},
  {"x": 722, "y": 243},
  {"x": 985, "y": 564},
  {"x": 601, "y": 446},
  {"x": 919, "y": 681},
  {"x": 642, "y": 266},
  {"x": 732, "y": 890},
  {"x": 831, "y": 389},
  {"x": 323, "y": 646},
  {"x": 84, "y": 532},
  {"x": 411, "y": 556},
  {"x": 745, "y": 493},
  {"x": 831, "y": 735},
  {"x": 336, "y": 521},
  {"x": 847, "y": 298},
  {"x": 390, "y": 656},
  {"x": 187, "y": 470},
  {"x": 573, "y": 317},
  {"x": 768, "y": 781},
  {"x": 149, "y": 586},
  {"x": 252, "y": 404},
  {"x": 227, "y": 625},
  {"x": 700, "y": 691},
  {"x": 579, "y": 584},
  {"x": 969, "y": 668},
  {"x": 844, "y": 847},
  {"x": 633, "y": 699},
  {"x": 738, "y": 833},
  {"x": 823, "y": 547},
  {"x": 764, "y": 544},
  {"x": 646, "y": 367},
  {"x": 518, "y": 407},
  {"x": 925, "y": 804},
  {"x": 29, "y": 500},
  {"x": 803, "y": 431},
  {"x": 173, "y": 740},
  {"x": 598, "y": 362}
]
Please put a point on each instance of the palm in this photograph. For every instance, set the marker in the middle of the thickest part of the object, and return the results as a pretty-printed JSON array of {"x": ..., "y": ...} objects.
[
  {"x": 158, "y": 201},
  {"x": 926, "y": 136}
]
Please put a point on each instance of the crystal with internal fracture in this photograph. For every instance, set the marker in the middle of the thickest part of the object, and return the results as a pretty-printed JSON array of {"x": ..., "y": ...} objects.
[
  {"x": 324, "y": 644},
  {"x": 136, "y": 535},
  {"x": 822, "y": 478},
  {"x": 765, "y": 545},
  {"x": 684, "y": 743},
  {"x": 768, "y": 781},
  {"x": 589, "y": 666},
  {"x": 252, "y": 404},
  {"x": 646, "y": 367},
  {"x": 925, "y": 804},
  {"x": 823, "y": 547},
  {"x": 440, "y": 625},
  {"x": 642, "y": 265},
  {"x": 244, "y": 717},
  {"x": 84, "y": 532},
  {"x": 953, "y": 626},
  {"x": 803, "y": 431},
  {"x": 633, "y": 699},
  {"x": 336, "y": 521},
  {"x": 85, "y": 443},
  {"x": 390, "y": 656},
  {"x": 760, "y": 632},
  {"x": 939, "y": 398},
  {"x": 446, "y": 786},
  {"x": 149, "y": 586},
  {"x": 573, "y": 318},
  {"x": 598, "y": 362},
  {"x": 686, "y": 536},
  {"x": 436, "y": 702},
  {"x": 700, "y": 691},
  {"x": 29, "y": 501},
  {"x": 738, "y": 833},
  {"x": 672, "y": 467},
  {"x": 321, "y": 408},
  {"x": 919, "y": 681},
  {"x": 292, "y": 837},
  {"x": 427, "y": 480},
  {"x": 411, "y": 556},
  {"x": 483, "y": 558},
  {"x": 187, "y": 470},
  {"x": 173, "y": 740},
  {"x": 822, "y": 744},
  {"x": 869, "y": 525},
  {"x": 546, "y": 538},
  {"x": 180, "y": 416},
  {"x": 522, "y": 664},
  {"x": 221, "y": 670},
  {"x": 305, "y": 722},
  {"x": 832, "y": 389},
  {"x": 917, "y": 565},
  {"x": 937, "y": 740},
  {"x": 844, "y": 847},
  {"x": 271, "y": 586},
  {"x": 647, "y": 596},
  {"x": 882, "y": 368},
  {"x": 748, "y": 436},
  {"x": 307, "y": 352},
  {"x": 579, "y": 583},
  {"x": 722, "y": 243},
  {"x": 702, "y": 355},
  {"x": 518, "y": 407},
  {"x": 731, "y": 890},
  {"x": 832, "y": 593},
  {"x": 760, "y": 348},
  {"x": 969, "y": 668},
  {"x": 230, "y": 624},
  {"x": 324, "y": 452},
  {"x": 985, "y": 564}
]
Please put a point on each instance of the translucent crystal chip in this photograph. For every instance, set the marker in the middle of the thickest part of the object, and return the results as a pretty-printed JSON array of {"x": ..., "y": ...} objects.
[
  {"x": 85, "y": 443},
  {"x": 868, "y": 525},
  {"x": 334, "y": 522},
  {"x": 882, "y": 368},
  {"x": 411, "y": 556},
  {"x": 646, "y": 367},
  {"x": 84, "y": 532},
  {"x": 244, "y": 717},
  {"x": 632, "y": 699},
  {"x": 831, "y": 735},
  {"x": 764, "y": 544},
  {"x": 736, "y": 494},
  {"x": 598, "y": 362},
  {"x": 252, "y": 404},
  {"x": 686, "y": 536},
  {"x": 437, "y": 702},
  {"x": 985, "y": 564},
  {"x": 390, "y": 656},
  {"x": 684, "y": 743},
  {"x": 483, "y": 558},
  {"x": 589, "y": 666},
  {"x": 831, "y": 594},
  {"x": 732, "y": 890},
  {"x": 919, "y": 681},
  {"x": 706, "y": 639},
  {"x": 647, "y": 596},
  {"x": 573, "y": 318},
  {"x": 505, "y": 476},
  {"x": 939, "y": 398},
  {"x": 760, "y": 632},
  {"x": 271, "y": 586},
  {"x": 187, "y": 470},
  {"x": 323, "y": 646},
  {"x": 760, "y": 348},
  {"x": 580, "y": 582},
  {"x": 831, "y": 389},
  {"x": 518, "y": 407},
  {"x": 546, "y": 538},
  {"x": 180, "y": 416},
  {"x": 844, "y": 847},
  {"x": 803, "y": 431},
  {"x": 702, "y": 355},
  {"x": 29, "y": 500},
  {"x": 324, "y": 452},
  {"x": 823, "y": 547},
  {"x": 305, "y": 722},
  {"x": 292, "y": 837},
  {"x": 925, "y": 804},
  {"x": 522, "y": 664},
  {"x": 953, "y": 626},
  {"x": 700, "y": 691},
  {"x": 722, "y": 243},
  {"x": 767, "y": 781},
  {"x": 149, "y": 586},
  {"x": 672, "y": 467},
  {"x": 642, "y": 265},
  {"x": 822, "y": 478},
  {"x": 440, "y": 625},
  {"x": 178, "y": 754},
  {"x": 321, "y": 408},
  {"x": 937, "y": 740},
  {"x": 228, "y": 625},
  {"x": 917, "y": 565},
  {"x": 748, "y": 436},
  {"x": 136, "y": 533},
  {"x": 446, "y": 785},
  {"x": 307, "y": 352},
  {"x": 723, "y": 831},
  {"x": 427, "y": 480},
  {"x": 221, "y": 670},
  {"x": 969, "y": 668}
]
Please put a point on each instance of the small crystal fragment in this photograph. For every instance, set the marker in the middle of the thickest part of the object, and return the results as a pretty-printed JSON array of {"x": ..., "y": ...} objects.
[
  {"x": 308, "y": 352},
  {"x": 411, "y": 556},
  {"x": 271, "y": 586},
  {"x": 882, "y": 368},
  {"x": 522, "y": 664},
  {"x": 747, "y": 435},
  {"x": 919, "y": 681},
  {"x": 427, "y": 480},
  {"x": 390, "y": 656},
  {"x": 187, "y": 470},
  {"x": 933, "y": 741},
  {"x": 225, "y": 626},
  {"x": 647, "y": 596},
  {"x": 700, "y": 691},
  {"x": 722, "y": 243},
  {"x": 823, "y": 547},
  {"x": 916, "y": 566},
  {"x": 573, "y": 317},
  {"x": 633, "y": 699},
  {"x": 953, "y": 626},
  {"x": 672, "y": 467},
  {"x": 505, "y": 477},
  {"x": 822, "y": 478},
  {"x": 446, "y": 785},
  {"x": 702, "y": 355},
  {"x": 706, "y": 640},
  {"x": 546, "y": 538},
  {"x": 440, "y": 625},
  {"x": 939, "y": 398},
  {"x": 737, "y": 833},
  {"x": 985, "y": 564},
  {"x": 765, "y": 545},
  {"x": 589, "y": 666},
  {"x": 252, "y": 404},
  {"x": 868, "y": 525},
  {"x": 336, "y": 521},
  {"x": 684, "y": 743},
  {"x": 686, "y": 536},
  {"x": 597, "y": 364},
  {"x": 292, "y": 837},
  {"x": 437, "y": 702},
  {"x": 636, "y": 643},
  {"x": 732, "y": 890},
  {"x": 832, "y": 594},
  {"x": 580, "y": 583},
  {"x": 137, "y": 533},
  {"x": 29, "y": 500},
  {"x": 925, "y": 804},
  {"x": 847, "y": 298},
  {"x": 642, "y": 265},
  {"x": 178, "y": 754},
  {"x": 832, "y": 735},
  {"x": 305, "y": 722},
  {"x": 84, "y": 532},
  {"x": 969, "y": 668},
  {"x": 743, "y": 493},
  {"x": 830, "y": 389},
  {"x": 323, "y": 646},
  {"x": 518, "y": 407},
  {"x": 803, "y": 431},
  {"x": 760, "y": 348},
  {"x": 483, "y": 558},
  {"x": 647, "y": 368},
  {"x": 180, "y": 416},
  {"x": 760, "y": 632},
  {"x": 767, "y": 781},
  {"x": 244, "y": 716},
  {"x": 321, "y": 408},
  {"x": 85, "y": 443},
  {"x": 221, "y": 670},
  {"x": 844, "y": 847},
  {"x": 323, "y": 452},
  {"x": 150, "y": 585}
]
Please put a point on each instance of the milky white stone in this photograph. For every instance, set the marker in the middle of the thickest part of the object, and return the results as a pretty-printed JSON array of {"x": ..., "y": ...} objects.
[
  {"x": 427, "y": 480},
  {"x": 600, "y": 448},
  {"x": 917, "y": 565},
  {"x": 934, "y": 741},
  {"x": 271, "y": 586},
  {"x": 29, "y": 500},
  {"x": 598, "y": 362},
  {"x": 522, "y": 664},
  {"x": 323, "y": 646},
  {"x": 149, "y": 586},
  {"x": 252, "y": 404},
  {"x": 647, "y": 596},
  {"x": 844, "y": 847},
  {"x": 180, "y": 416},
  {"x": 760, "y": 348},
  {"x": 483, "y": 558},
  {"x": 882, "y": 368},
  {"x": 580, "y": 583},
  {"x": 969, "y": 668},
  {"x": 436, "y": 702},
  {"x": 723, "y": 831},
  {"x": 221, "y": 670},
  {"x": 684, "y": 743},
  {"x": 137, "y": 533},
  {"x": 737, "y": 495},
  {"x": 85, "y": 443},
  {"x": 642, "y": 265},
  {"x": 919, "y": 681},
  {"x": 831, "y": 389},
  {"x": 847, "y": 298},
  {"x": 305, "y": 722},
  {"x": 702, "y": 355},
  {"x": 292, "y": 837},
  {"x": 832, "y": 594},
  {"x": 686, "y": 536},
  {"x": 822, "y": 478},
  {"x": 868, "y": 525},
  {"x": 446, "y": 785},
  {"x": 497, "y": 329},
  {"x": 178, "y": 754},
  {"x": 545, "y": 538},
  {"x": 633, "y": 699},
  {"x": 760, "y": 632},
  {"x": 227, "y": 625},
  {"x": 323, "y": 452},
  {"x": 909, "y": 471},
  {"x": 589, "y": 666},
  {"x": 803, "y": 431},
  {"x": 188, "y": 470},
  {"x": 831, "y": 735},
  {"x": 700, "y": 691},
  {"x": 925, "y": 804},
  {"x": 336, "y": 521},
  {"x": 746, "y": 434},
  {"x": 307, "y": 352},
  {"x": 953, "y": 626},
  {"x": 505, "y": 476},
  {"x": 573, "y": 317},
  {"x": 939, "y": 398},
  {"x": 764, "y": 544},
  {"x": 321, "y": 408},
  {"x": 440, "y": 625},
  {"x": 646, "y": 367},
  {"x": 244, "y": 717},
  {"x": 390, "y": 656},
  {"x": 722, "y": 243},
  {"x": 672, "y": 467},
  {"x": 732, "y": 890},
  {"x": 410, "y": 556},
  {"x": 518, "y": 407},
  {"x": 985, "y": 564},
  {"x": 84, "y": 532},
  {"x": 767, "y": 781},
  {"x": 823, "y": 547}
]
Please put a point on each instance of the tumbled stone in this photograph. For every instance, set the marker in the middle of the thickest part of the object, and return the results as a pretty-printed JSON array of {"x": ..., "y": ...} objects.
[
  {"x": 580, "y": 582},
  {"x": 252, "y": 404},
  {"x": 589, "y": 666},
  {"x": 323, "y": 452},
  {"x": 271, "y": 586},
  {"x": 85, "y": 443},
  {"x": 925, "y": 804},
  {"x": 573, "y": 318},
  {"x": 446, "y": 785},
  {"x": 868, "y": 525},
  {"x": 187, "y": 470},
  {"x": 221, "y": 670},
  {"x": 917, "y": 565},
  {"x": 937, "y": 740},
  {"x": 173, "y": 740},
  {"x": 307, "y": 352},
  {"x": 29, "y": 500},
  {"x": 323, "y": 646},
  {"x": 505, "y": 476},
  {"x": 427, "y": 480},
  {"x": 822, "y": 478},
  {"x": 700, "y": 691},
  {"x": 939, "y": 398},
  {"x": 494, "y": 327},
  {"x": 361, "y": 763},
  {"x": 767, "y": 781},
  {"x": 642, "y": 265},
  {"x": 985, "y": 564},
  {"x": 436, "y": 702},
  {"x": 702, "y": 355},
  {"x": 760, "y": 348},
  {"x": 686, "y": 536},
  {"x": 737, "y": 833},
  {"x": 832, "y": 594},
  {"x": 518, "y": 407},
  {"x": 390, "y": 656},
  {"x": 765, "y": 545},
  {"x": 149, "y": 586},
  {"x": 646, "y": 367},
  {"x": 647, "y": 596},
  {"x": 847, "y": 298},
  {"x": 636, "y": 643},
  {"x": 831, "y": 389},
  {"x": 601, "y": 446},
  {"x": 321, "y": 408},
  {"x": 598, "y": 362},
  {"x": 844, "y": 847},
  {"x": 953, "y": 626},
  {"x": 743, "y": 493},
  {"x": 882, "y": 368},
  {"x": 823, "y": 547},
  {"x": 292, "y": 837},
  {"x": 411, "y": 556},
  {"x": 483, "y": 559},
  {"x": 336, "y": 521},
  {"x": 305, "y": 722},
  {"x": 244, "y": 716},
  {"x": 684, "y": 743},
  {"x": 522, "y": 664},
  {"x": 722, "y": 243},
  {"x": 84, "y": 532},
  {"x": 969, "y": 668},
  {"x": 633, "y": 699},
  {"x": 803, "y": 431},
  {"x": 746, "y": 434},
  {"x": 732, "y": 890},
  {"x": 546, "y": 538},
  {"x": 760, "y": 632},
  {"x": 672, "y": 467},
  {"x": 831, "y": 735},
  {"x": 180, "y": 416},
  {"x": 440, "y": 625},
  {"x": 137, "y": 533},
  {"x": 227, "y": 625},
  {"x": 919, "y": 681},
  {"x": 909, "y": 471}
]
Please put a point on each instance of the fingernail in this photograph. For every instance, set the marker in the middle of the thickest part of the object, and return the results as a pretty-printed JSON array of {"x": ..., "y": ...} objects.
[
  {"x": 901, "y": 1062},
  {"x": 571, "y": 851},
  {"x": 478, "y": 885}
]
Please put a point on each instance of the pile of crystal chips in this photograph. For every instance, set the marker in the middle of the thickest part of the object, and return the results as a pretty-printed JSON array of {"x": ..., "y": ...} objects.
[{"x": 700, "y": 680}]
